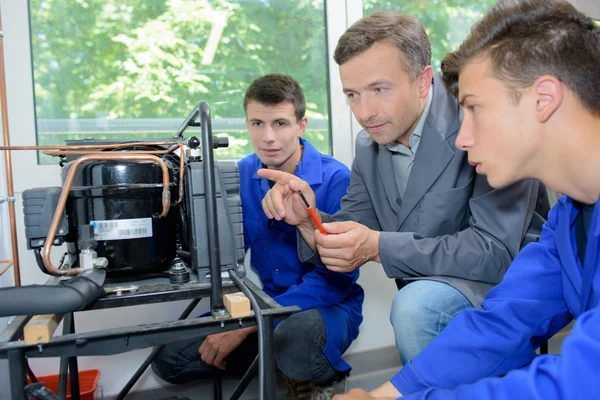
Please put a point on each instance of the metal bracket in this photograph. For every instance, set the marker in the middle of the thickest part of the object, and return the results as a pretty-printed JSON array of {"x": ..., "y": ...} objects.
[
  {"x": 119, "y": 290},
  {"x": 9, "y": 199}
]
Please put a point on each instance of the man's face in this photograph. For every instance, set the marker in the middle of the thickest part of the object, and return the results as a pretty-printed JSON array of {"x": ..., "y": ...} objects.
[
  {"x": 499, "y": 133},
  {"x": 275, "y": 132},
  {"x": 381, "y": 95}
]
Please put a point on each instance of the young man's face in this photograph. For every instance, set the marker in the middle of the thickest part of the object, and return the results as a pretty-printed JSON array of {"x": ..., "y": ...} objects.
[
  {"x": 275, "y": 132},
  {"x": 381, "y": 95},
  {"x": 499, "y": 133}
]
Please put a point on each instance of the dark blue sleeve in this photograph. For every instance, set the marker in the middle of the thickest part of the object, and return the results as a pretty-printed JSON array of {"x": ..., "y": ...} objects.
[
  {"x": 519, "y": 314},
  {"x": 321, "y": 287},
  {"x": 572, "y": 375}
]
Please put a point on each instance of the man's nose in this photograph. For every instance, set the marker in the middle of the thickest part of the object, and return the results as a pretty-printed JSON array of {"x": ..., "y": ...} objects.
[
  {"x": 365, "y": 110},
  {"x": 465, "y": 140},
  {"x": 269, "y": 135}
]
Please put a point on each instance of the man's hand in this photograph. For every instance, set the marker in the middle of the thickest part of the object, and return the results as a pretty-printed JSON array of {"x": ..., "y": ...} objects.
[
  {"x": 216, "y": 347},
  {"x": 358, "y": 394},
  {"x": 283, "y": 202},
  {"x": 348, "y": 246}
]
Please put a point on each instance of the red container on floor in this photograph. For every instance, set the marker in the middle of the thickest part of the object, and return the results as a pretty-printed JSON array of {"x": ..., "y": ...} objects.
[{"x": 88, "y": 383}]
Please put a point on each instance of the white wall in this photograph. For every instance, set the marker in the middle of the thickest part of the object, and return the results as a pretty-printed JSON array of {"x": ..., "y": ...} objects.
[
  {"x": 590, "y": 7},
  {"x": 375, "y": 330}
]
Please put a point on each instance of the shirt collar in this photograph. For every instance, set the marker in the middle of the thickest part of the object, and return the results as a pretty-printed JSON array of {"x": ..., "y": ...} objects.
[
  {"x": 415, "y": 137},
  {"x": 309, "y": 168}
]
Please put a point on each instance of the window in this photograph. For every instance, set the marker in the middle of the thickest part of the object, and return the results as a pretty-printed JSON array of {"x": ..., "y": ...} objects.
[
  {"x": 447, "y": 22},
  {"x": 136, "y": 68}
]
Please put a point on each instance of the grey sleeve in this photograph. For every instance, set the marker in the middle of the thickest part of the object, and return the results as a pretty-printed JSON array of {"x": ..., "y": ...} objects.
[
  {"x": 498, "y": 221},
  {"x": 356, "y": 206}
]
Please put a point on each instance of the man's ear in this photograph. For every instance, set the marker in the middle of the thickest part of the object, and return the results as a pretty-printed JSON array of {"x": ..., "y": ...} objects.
[
  {"x": 303, "y": 123},
  {"x": 549, "y": 96},
  {"x": 425, "y": 81}
]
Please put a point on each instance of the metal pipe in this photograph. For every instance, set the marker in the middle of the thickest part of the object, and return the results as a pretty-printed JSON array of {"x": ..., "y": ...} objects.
[
  {"x": 73, "y": 375},
  {"x": 9, "y": 264},
  {"x": 55, "y": 153},
  {"x": 181, "y": 171},
  {"x": 216, "y": 301},
  {"x": 265, "y": 366},
  {"x": 246, "y": 379},
  {"x": 136, "y": 376},
  {"x": 181, "y": 148},
  {"x": 8, "y": 166},
  {"x": 63, "y": 366},
  {"x": 217, "y": 386},
  {"x": 62, "y": 200},
  {"x": 18, "y": 376},
  {"x": 87, "y": 146}
]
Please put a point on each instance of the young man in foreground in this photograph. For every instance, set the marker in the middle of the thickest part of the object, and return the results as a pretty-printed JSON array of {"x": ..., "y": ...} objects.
[{"x": 527, "y": 78}]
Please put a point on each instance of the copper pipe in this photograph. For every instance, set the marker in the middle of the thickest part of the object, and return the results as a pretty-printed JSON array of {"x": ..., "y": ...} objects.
[
  {"x": 10, "y": 191},
  {"x": 55, "y": 153},
  {"x": 83, "y": 147},
  {"x": 62, "y": 200},
  {"x": 10, "y": 263},
  {"x": 181, "y": 148}
]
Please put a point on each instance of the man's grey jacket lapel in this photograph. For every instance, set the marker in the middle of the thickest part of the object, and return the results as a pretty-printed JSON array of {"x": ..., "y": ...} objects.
[
  {"x": 434, "y": 153},
  {"x": 385, "y": 166}
]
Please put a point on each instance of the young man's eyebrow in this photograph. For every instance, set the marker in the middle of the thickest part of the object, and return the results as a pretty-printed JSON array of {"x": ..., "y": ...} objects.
[{"x": 465, "y": 97}]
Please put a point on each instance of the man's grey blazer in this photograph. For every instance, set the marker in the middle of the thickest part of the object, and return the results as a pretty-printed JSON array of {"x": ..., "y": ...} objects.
[{"x": 451, "y": 226}]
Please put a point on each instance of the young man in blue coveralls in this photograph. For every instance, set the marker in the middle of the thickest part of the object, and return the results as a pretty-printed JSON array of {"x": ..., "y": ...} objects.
[
  {"x": 309, "y": 344},
  {"x": 527, "y": 78}
]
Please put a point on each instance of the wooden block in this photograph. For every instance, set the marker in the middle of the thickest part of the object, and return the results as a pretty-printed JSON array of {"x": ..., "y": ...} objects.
[
  {"x": 237, "y": 304},
  {"x": 40, "y": 328}
]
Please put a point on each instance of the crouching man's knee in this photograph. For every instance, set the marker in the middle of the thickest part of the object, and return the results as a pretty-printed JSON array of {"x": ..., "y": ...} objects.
[{"x": 299, "y": 347}]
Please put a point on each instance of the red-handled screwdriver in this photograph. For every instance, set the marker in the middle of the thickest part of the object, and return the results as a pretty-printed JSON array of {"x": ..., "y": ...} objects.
[{"x": 312, "y": 213}]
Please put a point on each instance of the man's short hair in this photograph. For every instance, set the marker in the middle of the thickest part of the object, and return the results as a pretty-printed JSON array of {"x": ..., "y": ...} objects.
[
  {"x": 403, "y": 31},
  {"x": 275, "y": 89},
  {"x": 526, "y": 39}
]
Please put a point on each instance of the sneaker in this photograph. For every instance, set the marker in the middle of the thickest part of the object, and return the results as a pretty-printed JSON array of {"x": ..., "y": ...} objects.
[
  {"x": 326, "y": 392},
  {"x": 298, "y": 390}
]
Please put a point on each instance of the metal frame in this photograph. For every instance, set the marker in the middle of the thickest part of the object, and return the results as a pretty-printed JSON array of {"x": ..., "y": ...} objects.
[{"x": 69, "y": 346}]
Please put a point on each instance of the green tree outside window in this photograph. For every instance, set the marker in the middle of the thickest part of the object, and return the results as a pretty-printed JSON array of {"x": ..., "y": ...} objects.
[
  {"x": 136, "y": 68},
  {"x": 447, "y": 22}
]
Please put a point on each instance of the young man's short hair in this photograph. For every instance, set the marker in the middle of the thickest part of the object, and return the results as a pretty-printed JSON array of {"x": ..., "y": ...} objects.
[
  {"x": 526, "y": 39},
  {"x": 403, "y": 31},
  {"x": 275, "y": 89}
]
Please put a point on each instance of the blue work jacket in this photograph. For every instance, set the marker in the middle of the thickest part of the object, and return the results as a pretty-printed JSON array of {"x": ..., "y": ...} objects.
[
  {"x": 544, "y": 289},
  {"x": 274, "y": 255}
]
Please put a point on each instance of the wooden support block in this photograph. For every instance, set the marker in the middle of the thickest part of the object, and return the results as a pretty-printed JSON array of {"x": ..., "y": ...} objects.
[
  {"x": 40, "y": 328},
  {"x": 237, "y": 304}
]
